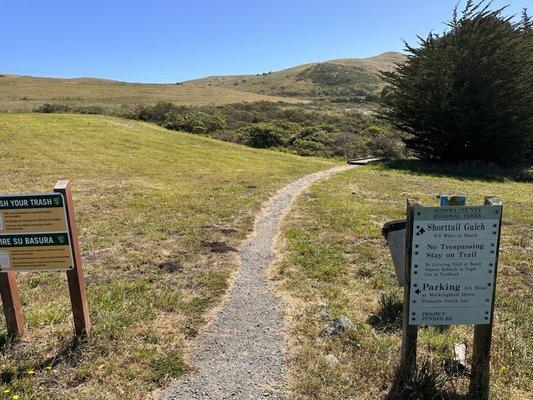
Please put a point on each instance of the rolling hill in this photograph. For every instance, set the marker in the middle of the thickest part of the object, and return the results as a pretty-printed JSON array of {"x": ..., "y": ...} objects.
[
  {"x": 23, "y": 93},
  {"x": 345, "y": 78},
  {"x": 342, "y": 77}
]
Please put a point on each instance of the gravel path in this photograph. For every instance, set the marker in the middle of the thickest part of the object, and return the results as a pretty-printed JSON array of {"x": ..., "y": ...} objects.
[{"x": 240, "y": 354}]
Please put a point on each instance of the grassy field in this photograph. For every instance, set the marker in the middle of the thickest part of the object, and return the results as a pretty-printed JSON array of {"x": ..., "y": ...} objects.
[
  {"x": 23, "y": 93},
  {"x": 338, "y": 264},
  {"x": 160, "y": 214}
]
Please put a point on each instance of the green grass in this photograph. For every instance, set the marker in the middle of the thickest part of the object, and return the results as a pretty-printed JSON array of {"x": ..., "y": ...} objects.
[
  {"x": 337, "y": 262},
  {"x": 150, "y": 205},
  {"x": 23, "y": 93}
]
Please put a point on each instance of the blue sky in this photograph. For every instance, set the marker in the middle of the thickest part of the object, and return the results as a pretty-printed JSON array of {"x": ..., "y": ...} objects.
[{"x": 169, "y": 41}]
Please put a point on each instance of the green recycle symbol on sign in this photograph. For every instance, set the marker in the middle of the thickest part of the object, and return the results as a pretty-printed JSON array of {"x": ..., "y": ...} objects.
[
  {"x": 56, "y": 201},
  {"x": 61, "y": 239}
]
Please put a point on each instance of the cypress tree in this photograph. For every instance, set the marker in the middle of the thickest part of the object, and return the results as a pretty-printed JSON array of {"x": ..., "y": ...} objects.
[{"x": 466, "y": 94}]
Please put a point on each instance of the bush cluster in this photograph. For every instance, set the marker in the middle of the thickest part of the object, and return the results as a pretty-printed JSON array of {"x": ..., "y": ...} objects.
[
  {"x": 306, "y": 129},
  {"x": 48, "y": 108},
  {"x": 179, "y": 118}
]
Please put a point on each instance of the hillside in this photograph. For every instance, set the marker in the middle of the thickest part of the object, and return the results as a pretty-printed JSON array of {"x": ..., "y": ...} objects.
[
  {"x": 342, "y": 77},
  {"x": 23, "y": 93},
  {"x": 160, "y": 214}
]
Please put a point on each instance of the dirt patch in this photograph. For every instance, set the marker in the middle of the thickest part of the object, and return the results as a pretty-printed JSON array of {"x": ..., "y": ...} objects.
[
  {"x": 171, "y": 266},
  {"x": 216, "y": 246}
]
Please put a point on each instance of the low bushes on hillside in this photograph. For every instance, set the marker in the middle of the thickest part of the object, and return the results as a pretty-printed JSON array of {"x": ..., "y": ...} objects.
[
  {"x": 67, "y": 108},
  {"x": 264, "y": 135},
  {"x": 308, "y": 130}
]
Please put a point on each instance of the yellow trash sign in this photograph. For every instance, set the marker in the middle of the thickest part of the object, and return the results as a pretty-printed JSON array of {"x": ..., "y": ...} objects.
[{"x": 34, "y": 234}]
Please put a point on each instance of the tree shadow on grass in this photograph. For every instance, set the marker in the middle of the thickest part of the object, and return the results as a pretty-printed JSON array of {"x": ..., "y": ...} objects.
[
  {"x": 463, "y": 170},
  {"x": 70, "y": 353}
]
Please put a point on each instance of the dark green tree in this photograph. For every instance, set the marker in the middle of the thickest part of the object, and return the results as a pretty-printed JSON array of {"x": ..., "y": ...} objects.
[{"x": 466, "y": 94}]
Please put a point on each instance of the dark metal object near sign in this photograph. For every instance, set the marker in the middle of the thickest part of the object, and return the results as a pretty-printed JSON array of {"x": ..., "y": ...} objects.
[{"x": 394, "y": 234}]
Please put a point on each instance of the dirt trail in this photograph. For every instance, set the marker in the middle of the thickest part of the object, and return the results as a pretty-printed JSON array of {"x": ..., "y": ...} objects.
[{"x": 241, "y": 353}]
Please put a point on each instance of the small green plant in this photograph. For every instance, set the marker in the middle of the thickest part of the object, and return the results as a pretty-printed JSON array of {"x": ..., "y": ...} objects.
[
  {"x": 49, "y": 108},
  {"x": 389, "y": 315},
  {"x": 167, "y": 366}
]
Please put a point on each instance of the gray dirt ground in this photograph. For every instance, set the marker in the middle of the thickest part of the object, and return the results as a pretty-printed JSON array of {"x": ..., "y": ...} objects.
[{"x": 241, "y": 353}]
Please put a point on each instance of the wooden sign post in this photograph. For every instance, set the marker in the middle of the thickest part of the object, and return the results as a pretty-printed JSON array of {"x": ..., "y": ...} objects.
[
  {"x": 479, "y": 382},
  {"x": 409, "y": 332},
  {"x": 450, "y": 278},
  {"x": 11, "y": 303},
  {"x": 75, "y": 277},
  {"x": 38, "y": 233}
]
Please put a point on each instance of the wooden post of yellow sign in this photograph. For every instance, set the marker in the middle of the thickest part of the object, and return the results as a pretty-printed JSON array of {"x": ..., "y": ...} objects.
[
  {"x": 76, "y": 280},
  {"x": 11, "y": 304}
]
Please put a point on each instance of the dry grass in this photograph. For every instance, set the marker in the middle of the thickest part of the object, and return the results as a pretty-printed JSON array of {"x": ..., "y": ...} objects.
[
  {"x": 151, "y": 208},
  {"x": 286, "y": 82},
  {"x": 22, "y": 93},
  {"x": 338, "y": 263}
]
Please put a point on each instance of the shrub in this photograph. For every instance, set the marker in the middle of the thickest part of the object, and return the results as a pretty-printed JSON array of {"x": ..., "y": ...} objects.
[
  {"x": 309, "y": 148},
  {"x": 352, "y": 145},
  {"x": 176, "y": 123},
  {"x": 264, "y": 135},
  {"x": 382, "y": 142},
  {"x": 216, "y": 122},
  {"x": 160, "y": 113},
  {"x": 387, "y": 146},
  {"x": 197, "y": 126},
  {"x": 49, "y": 108},
  {"x": 321, "y": 134},
  {"x": 94, "y": 110},
  {"x": 466, "y": 94}
]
